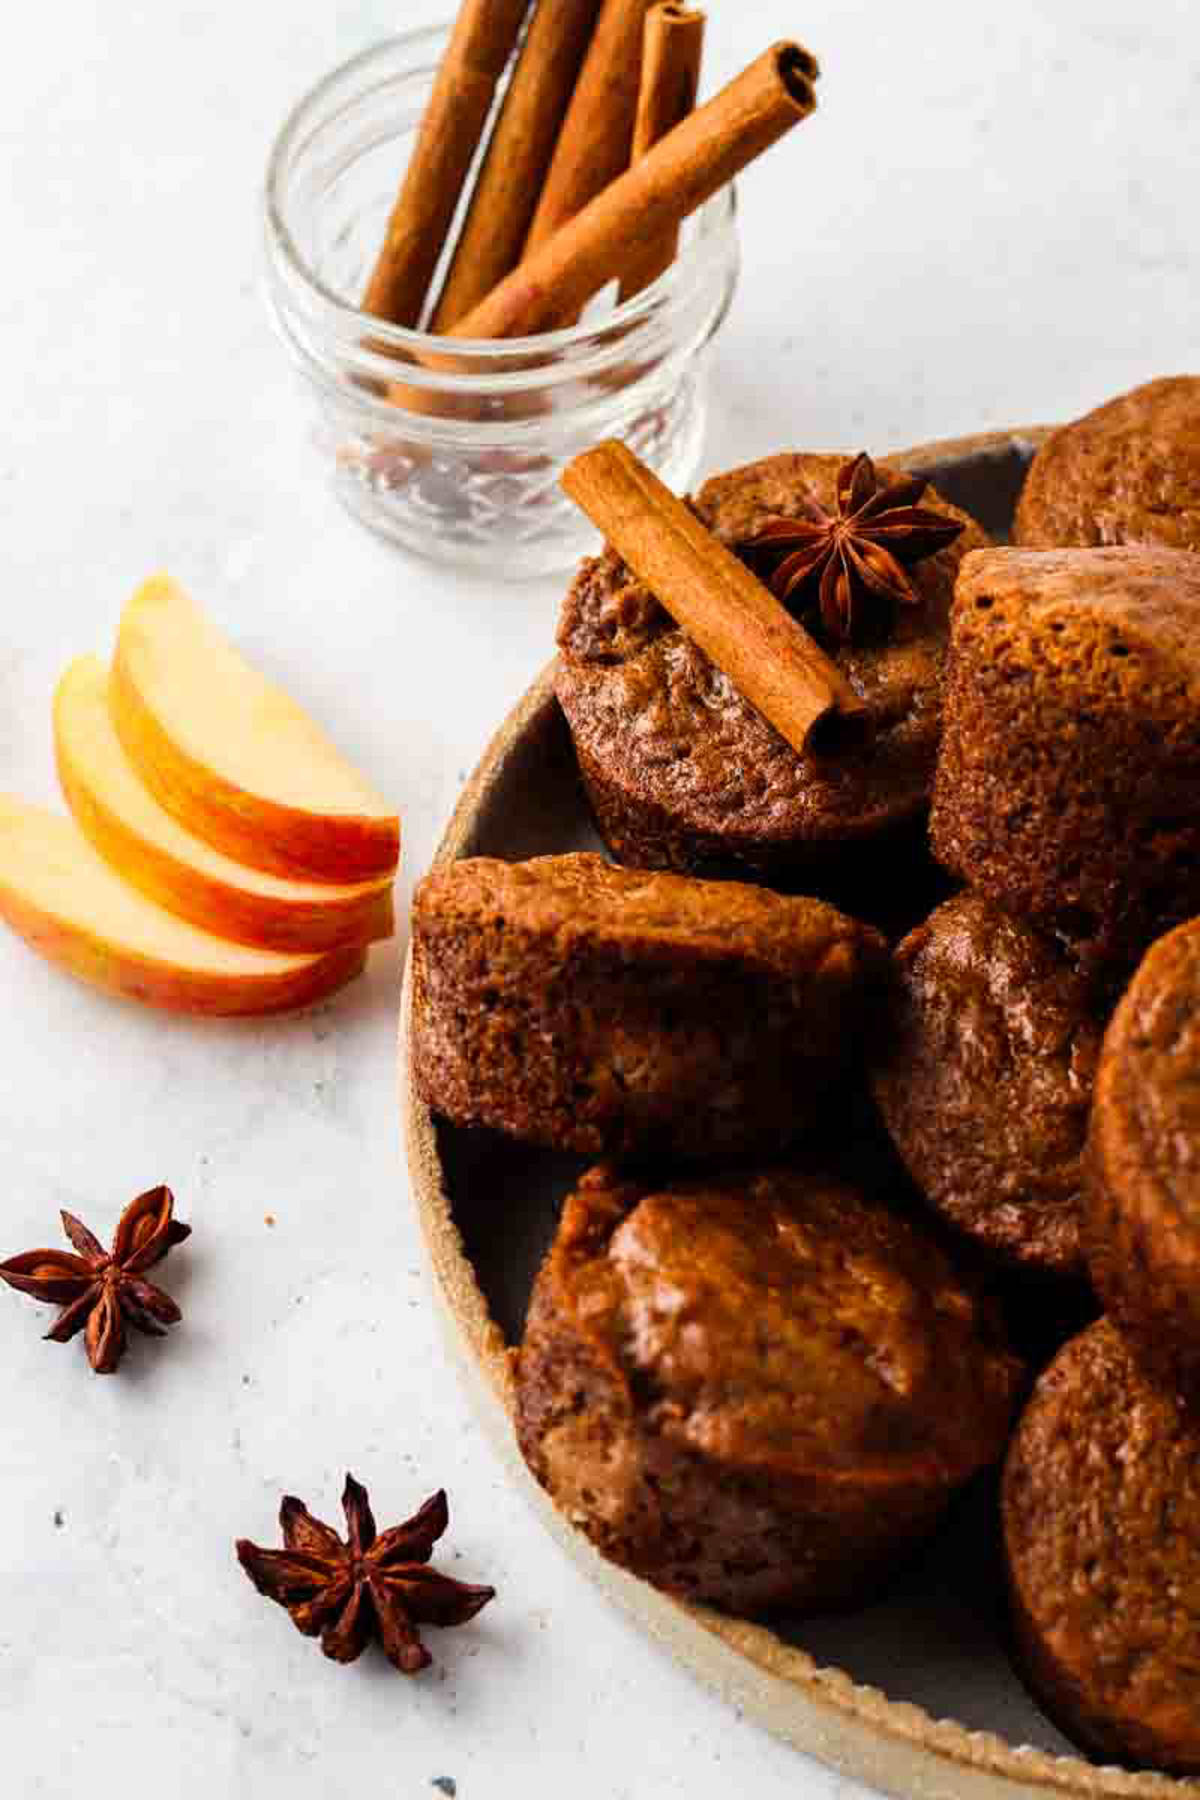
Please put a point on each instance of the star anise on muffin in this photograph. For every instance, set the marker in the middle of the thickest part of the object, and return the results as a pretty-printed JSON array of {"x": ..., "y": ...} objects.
[
  {"x": 100, "y": 1290},
  {"x": 849, "y": 566},
  {"x": 371, "y": 1585}
]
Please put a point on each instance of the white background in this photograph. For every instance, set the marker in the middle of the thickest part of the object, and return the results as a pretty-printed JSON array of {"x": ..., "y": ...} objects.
[{"x": 992, "y": 220}]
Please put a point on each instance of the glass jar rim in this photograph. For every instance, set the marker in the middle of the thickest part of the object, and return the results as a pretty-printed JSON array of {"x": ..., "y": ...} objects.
[{"x": 343, "y": 316}]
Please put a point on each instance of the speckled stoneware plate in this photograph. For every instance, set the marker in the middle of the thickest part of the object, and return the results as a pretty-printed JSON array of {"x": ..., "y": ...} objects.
[{"x": 914, "y": 1695}]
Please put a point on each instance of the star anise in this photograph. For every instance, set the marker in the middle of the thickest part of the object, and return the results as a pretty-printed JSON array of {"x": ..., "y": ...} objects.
[
  {"x": 851, "y": 563},
  {"x": 371, "y": 1586},
  {"x": 101, "y": 1289}
]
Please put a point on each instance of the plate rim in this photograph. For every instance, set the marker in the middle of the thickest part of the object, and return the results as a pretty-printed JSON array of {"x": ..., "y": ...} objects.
[{"x": 894, "y": 1745}]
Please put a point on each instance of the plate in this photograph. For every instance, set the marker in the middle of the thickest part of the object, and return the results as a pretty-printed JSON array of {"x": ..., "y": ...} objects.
[{"x": 913, "y": 1695}]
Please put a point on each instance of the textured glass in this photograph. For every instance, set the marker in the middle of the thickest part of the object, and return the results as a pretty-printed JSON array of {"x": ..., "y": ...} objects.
[{"x": 462, "y": 463}]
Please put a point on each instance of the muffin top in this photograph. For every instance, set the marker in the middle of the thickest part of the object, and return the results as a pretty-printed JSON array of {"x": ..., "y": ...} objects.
[
  {"x": 985, "y": 1079},
  {"x": 1102, "y": 1525},
  {"x": 1122, "y": 622},
  {"x": 1128, "y": 473},
  {"x": 1147, "y": 1120},
  {"x": 781, "y": 1322},
  {"x": 581, "y": 898},
  {"x": 661, "y": 721}
]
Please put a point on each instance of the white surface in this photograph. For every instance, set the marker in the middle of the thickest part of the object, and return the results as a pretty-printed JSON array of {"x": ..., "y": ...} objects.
[{"x": 992, "y": 220}]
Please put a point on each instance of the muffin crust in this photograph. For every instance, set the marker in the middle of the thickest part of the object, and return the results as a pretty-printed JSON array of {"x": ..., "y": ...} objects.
[
  {"x": 1070, "y": 762},
  {"x": 1128, "y": 473},
  {"x": 682, "y": 772},
  {"x": 757, "y": 1389},
  {"x": 613, "y": 1011},
  {"x": 1102, "y": 1535},
  {"x": 1143, "y": 1213},
  {"x": 984, "y": 1077}
]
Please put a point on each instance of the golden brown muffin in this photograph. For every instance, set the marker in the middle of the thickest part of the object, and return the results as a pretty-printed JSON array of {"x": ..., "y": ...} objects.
[
  {"x": 984, "y": 1077},
  {"x": 608, "y": 1011},
  {"x": 1102, "y": 1534},
  {"x": 1128, "y": 473},
  {"x": 683, "y": 773},
  {"x": 1070, "y": 762},
  {"x": 1142, "y": 1229},
  {"x": 758, "y": 1390}
]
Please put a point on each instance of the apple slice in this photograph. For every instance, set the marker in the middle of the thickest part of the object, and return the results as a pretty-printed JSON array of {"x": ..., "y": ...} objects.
[
  {"x": 65, "y": 900},
  {"x": 233, "y": 758},
  {"x": 125, "y": 823}
]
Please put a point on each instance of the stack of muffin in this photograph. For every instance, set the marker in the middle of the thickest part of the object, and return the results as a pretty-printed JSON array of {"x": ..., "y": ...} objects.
[{"x": 754, "y": 1370}]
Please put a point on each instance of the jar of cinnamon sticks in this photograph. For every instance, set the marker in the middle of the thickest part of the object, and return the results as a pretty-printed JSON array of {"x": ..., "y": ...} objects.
[{"x": 491, "y": 245}]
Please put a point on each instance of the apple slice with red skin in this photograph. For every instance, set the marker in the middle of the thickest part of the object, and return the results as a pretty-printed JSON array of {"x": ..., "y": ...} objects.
[
  {"x": 233, "y": 758},
  {"x": 124, "y": 822},
  {"x": 65, "y": 901}
]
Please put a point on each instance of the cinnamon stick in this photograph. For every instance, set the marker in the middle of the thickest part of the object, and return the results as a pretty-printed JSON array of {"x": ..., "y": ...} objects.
[
  {"x": 684, "y": 169},
  {"x": 484, "y": 38},
  {"x": 736, "y": 621},
  {"x": 671, "y": 57},
  {"x": 597, "y": 133},
  {"x": 518, "y": 155}
]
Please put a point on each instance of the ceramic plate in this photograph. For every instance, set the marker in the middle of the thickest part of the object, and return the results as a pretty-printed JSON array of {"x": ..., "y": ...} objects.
[{"x": 914, "y": 1695}]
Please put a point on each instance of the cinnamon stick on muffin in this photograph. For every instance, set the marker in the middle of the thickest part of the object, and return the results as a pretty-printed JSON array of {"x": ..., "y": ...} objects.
[{"x": 682, "y": 771}]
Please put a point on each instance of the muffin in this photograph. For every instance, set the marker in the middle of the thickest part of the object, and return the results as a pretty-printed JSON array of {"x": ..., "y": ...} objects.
[
  {"x": 1102, "y": 1536},
  {"x": 683, "y": 773},
  {"x": 758, "y": 1390},
  {"x": 1128, "y": 473},
  {"x": 1070, "y": 761},
  {"x": 611, "y": 1011},
  {"x": 1142, "y": 1230},
  {"x": 984, "y": 1074}
]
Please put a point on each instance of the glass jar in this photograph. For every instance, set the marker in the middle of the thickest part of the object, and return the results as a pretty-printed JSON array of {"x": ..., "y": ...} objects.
[{"x": 460, "y": 459}]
